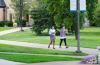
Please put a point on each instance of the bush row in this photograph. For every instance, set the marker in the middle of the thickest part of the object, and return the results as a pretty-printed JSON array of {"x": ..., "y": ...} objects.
[{"x": 6, "y": 23}]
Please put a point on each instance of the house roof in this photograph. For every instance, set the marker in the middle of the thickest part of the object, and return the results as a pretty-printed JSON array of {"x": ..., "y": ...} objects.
[{"x": 2, "y": 4}]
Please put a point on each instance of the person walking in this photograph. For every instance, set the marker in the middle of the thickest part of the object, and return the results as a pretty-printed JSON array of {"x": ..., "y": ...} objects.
[
  {"x": 63, "y": 32},
  {"x": 52, "y": 33}
]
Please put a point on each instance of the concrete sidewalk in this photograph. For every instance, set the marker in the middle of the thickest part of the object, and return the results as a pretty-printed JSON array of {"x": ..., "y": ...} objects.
[
  {"x": 6, "y": 62},
  {"x": 60, "y": 63},
  {"x": 11, "y": 31},
  {"x": 45, "y": 46}
]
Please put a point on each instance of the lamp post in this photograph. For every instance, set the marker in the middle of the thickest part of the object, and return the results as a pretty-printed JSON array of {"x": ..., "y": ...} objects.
[
  {"x": 78, "y": 27},
  {"x": 21, "y": 15}
]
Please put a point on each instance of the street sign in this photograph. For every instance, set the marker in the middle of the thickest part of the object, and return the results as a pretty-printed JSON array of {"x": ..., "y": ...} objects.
[
  {"x": 73, "y": 5},
  {"x": 82, "y": 5}
]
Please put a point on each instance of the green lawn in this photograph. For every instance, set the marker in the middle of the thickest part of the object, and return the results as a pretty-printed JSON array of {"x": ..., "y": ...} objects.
[
  {"x": 5, "y": 28},
  {"x": 90, "y": 37},
  {"x": 34, "y": 58},
  {"x": 20, "y": 49}
]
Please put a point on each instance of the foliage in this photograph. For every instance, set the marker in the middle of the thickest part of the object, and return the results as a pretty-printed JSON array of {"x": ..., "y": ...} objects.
[
  {"x": 48, "y": 13},
  {"x": 23, "y": 22},
  {"x": 6, "y": 23},
  {"x": 41, "y": 19},
  {"x": 58, "y": 12},
  {"x": 97, "y": 15},
  {"x": 16, "y": 7},
  {"x": 9, "y": 24},
  {"x": 91, "y": 5},
  {"x": 2, "y": 24},
  {"x": 27, "y": 6}
]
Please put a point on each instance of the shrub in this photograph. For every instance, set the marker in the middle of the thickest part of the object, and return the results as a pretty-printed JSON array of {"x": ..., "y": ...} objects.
[
  {"x": 7, "y": 23},
  {"x": 2, "y": 24}
]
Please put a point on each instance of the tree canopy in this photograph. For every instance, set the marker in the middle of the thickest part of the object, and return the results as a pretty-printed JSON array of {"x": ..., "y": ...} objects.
[
  {"x": 91, "y": 6},
  {"x": 59, "y": 13},
  {"x": 47, "y": 13},
  {"x": 97, "y": 15}
]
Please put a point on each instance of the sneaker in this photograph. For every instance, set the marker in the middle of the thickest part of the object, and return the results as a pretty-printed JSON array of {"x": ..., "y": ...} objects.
[
  {"x": 60, "y": 47},
  {"x": 66, "y": 46},
  {"x": 53, "y": 48},
  {"x": 48, "y": 47}
]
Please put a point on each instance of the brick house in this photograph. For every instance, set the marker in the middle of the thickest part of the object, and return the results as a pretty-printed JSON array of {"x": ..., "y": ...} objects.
[
  {"x": 6, "y": 11},
  {"x": 2, "y": 10}
]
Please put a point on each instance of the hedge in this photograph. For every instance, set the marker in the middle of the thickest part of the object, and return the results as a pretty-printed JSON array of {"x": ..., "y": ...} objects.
[{"x": 6, "y": 23}]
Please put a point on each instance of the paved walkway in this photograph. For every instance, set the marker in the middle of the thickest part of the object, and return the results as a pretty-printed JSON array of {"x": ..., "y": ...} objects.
[
  {"x": 11, "y": 31},
  {"x": 60, "y": 63},
  {"x": 45, "y": 46},
  {"x": 6, "y": 62}
]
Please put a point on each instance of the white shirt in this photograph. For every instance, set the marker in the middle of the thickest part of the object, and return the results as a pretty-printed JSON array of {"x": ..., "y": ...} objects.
[
  {"x": 62, "y": 37},
  {"x": 51, "y": 31}
]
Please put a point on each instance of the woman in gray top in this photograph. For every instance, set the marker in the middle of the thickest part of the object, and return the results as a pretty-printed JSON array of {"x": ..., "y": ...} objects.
[{"x": 63, "y": 36}]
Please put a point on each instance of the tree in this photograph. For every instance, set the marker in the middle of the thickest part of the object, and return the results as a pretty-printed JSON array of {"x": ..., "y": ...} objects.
[
  {"x": 91, "y": 6},
  {"x": 41, "y": 18},
  {"x": 97, "y": 15},
  {"x": 26, "y": 9},
  {"x": 58, "y": 12},
  {"x": 61, "y": 14},
  {"x": 41, "y": 21}
]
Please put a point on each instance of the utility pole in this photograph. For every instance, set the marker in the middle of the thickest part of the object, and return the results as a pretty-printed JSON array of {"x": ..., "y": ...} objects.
[
  {"x": 78, "y": 27},
  {"x": 21, "y": 15}
]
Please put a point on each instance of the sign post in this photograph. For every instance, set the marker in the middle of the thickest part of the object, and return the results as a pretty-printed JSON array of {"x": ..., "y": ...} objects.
[
  {"x": 77, "y": 6},
  {"x": 73, "y": 5},
  {"x": 78, "y": 27},
  {"x": 83, "y": 5}
]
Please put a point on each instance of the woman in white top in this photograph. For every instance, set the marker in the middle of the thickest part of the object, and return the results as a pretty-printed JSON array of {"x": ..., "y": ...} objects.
[{"x": 52, "y": 33}]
